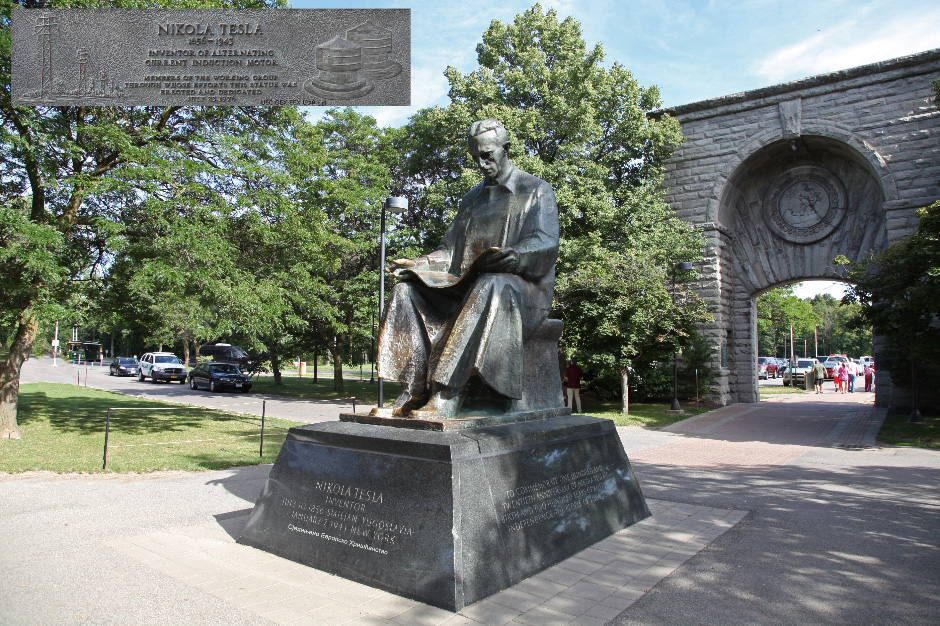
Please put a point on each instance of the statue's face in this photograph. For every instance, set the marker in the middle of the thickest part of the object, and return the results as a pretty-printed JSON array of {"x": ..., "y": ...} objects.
[{"x": 489, "y": 155}]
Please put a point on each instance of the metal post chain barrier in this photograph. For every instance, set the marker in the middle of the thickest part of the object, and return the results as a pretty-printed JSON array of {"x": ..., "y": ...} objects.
[
  {"x": 107, "y": 430},
  {"x": 261, "y": 447}
]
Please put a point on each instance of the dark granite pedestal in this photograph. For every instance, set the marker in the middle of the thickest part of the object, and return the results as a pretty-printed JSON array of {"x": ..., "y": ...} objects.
[{"x": 447, "y": 518}]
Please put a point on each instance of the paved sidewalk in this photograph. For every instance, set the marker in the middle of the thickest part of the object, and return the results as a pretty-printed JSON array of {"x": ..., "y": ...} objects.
[{"x": 588, "y": 589}]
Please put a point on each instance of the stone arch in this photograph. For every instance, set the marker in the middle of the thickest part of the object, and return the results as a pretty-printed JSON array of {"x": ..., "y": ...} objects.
[
  {"x": 762, "y": 258},
  {"x": 874, "y": 128},
  {"x": 852, "y": 141}
]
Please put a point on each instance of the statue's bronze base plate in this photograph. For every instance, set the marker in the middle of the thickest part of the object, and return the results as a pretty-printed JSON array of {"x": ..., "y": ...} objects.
[{"x": 454, "y": 423}]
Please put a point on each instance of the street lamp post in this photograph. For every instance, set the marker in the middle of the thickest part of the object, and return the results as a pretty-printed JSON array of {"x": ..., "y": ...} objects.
[
  {"x": 372, "y": 368},
  {"x": 393, "y": 204},
  {"x": 685, "y": 265}
]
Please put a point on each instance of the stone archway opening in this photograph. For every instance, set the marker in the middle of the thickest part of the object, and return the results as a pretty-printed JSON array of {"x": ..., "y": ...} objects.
[
  {"x": 820, "y": 323},
  {"x": 791, "y": 208}
]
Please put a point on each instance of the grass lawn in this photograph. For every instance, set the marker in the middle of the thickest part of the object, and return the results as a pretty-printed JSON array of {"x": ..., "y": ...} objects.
[
  {"x": 769, "y": 392},
  {"x": 650, "y": 415},
  {"x": 296, "y": 387},
  {"x": 896, "y": 430},
  {"x": 63, "y": 431}
]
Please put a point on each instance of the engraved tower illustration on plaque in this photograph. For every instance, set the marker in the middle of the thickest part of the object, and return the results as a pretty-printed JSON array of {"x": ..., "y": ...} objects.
[
  {"x": 340, "y": 63},
  {"x": 376, "y": 45}
]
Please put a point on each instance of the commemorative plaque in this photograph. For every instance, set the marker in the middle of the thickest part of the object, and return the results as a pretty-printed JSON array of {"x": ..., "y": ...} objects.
[
  {"x": 805, "y": 204},
  {"x": 304, "y": 57}
]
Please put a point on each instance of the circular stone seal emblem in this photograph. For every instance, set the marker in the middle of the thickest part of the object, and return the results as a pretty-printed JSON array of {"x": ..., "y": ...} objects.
[{"x": 805, "y": 204}]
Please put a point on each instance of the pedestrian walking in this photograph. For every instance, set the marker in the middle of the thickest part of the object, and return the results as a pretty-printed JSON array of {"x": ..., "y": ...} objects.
[
  {"x": 843, "y": 377},
  {"x": 573, "y": 376},
  {"x": 869, "y": 376},
  {"x": 819, "y": 373},
  {"x": 852, "y": 373}
]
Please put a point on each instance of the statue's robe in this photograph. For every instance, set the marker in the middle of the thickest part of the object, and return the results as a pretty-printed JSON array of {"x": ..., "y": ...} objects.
[{"x": 447, "y": 321}]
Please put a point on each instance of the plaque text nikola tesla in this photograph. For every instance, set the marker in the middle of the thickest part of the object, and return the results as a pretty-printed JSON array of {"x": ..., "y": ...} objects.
[{"x": 209, "y": 57}]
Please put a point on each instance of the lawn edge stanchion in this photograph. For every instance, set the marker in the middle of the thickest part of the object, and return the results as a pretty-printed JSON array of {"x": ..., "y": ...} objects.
[
  {"x": 107, "y": 430},
  {"x": 261, "y": 447}
]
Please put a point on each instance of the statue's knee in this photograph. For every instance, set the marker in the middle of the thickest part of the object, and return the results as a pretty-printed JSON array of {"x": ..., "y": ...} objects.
[
  {"x": 402, "y": 292},
  {"x": 487, "y": 282}
]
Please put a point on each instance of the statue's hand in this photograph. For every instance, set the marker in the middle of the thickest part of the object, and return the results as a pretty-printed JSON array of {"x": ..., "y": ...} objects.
[
  {"x": 398, "y": 265},
  {"x": 505, "y": 261}
]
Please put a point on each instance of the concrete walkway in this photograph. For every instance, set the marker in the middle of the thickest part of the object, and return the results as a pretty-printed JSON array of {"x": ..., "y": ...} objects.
[{"x": 770, "y": 513}]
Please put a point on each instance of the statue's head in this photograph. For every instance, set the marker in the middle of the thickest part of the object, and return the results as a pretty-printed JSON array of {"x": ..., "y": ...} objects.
[{"x": 488, "y": 144}]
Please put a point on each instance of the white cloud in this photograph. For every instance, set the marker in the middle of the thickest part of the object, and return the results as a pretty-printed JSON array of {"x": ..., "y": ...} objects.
[{"x": 852, "y": 43}]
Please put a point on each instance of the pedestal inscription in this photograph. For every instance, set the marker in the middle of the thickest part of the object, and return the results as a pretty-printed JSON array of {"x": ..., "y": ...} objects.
[{"x": 446, "y": 518}]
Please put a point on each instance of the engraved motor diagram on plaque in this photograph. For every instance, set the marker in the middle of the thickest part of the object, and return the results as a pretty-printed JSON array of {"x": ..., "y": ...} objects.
[
  {"x": 302, "y": 57},
  {"x": 805, "y": 204}
]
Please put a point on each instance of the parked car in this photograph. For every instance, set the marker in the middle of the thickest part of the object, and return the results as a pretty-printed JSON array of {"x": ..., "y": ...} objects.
[
  {"x": 227, "y": 353},
  {"x": 123, "y": 366},
  {"x": 766, "y": 367},
  {"x": 159, "y": 366},
  {"x": 832, "y": 364},
  {"x": 218, "y": 376},
  {"x": 797, "y": 377}
]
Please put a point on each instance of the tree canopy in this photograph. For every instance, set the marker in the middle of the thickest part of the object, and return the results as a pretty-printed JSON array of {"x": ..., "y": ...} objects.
[
  {"x": 585, "y": 128},
  {"x": 183, "y": 225}
]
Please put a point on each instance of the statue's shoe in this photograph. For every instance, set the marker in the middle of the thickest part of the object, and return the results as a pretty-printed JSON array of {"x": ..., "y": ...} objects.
[
  {"x": 438, "y": 407},
  {"x": 402, "y": 406}
]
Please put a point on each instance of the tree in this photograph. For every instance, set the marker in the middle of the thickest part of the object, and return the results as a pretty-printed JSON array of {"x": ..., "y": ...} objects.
[
  {"x": 898, "y": 291},
  {"x": 777, "y": 311},
  {"x": 585, "y": 129},
  {"x": 340, "y": 166},
  {"x": 81, "y": 171}
]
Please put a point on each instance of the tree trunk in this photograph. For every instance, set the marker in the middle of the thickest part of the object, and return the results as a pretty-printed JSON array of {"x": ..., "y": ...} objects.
[
  {"x": 10, "y": 374},
  {"x": 196, "y": 347},
  {"x": 185, "y": 353},
  {"x": 276, "y": 368},
  {"x": 337, "y": 352},
  {"x": 624, "y": 392}
]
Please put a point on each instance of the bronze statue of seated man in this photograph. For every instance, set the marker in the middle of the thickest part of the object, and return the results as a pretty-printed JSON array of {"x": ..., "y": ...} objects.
[{"x": 458, "y": 317}]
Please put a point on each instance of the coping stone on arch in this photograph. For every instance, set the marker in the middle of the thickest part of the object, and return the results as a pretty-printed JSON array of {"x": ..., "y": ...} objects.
[{"x": 817, "y": 128}]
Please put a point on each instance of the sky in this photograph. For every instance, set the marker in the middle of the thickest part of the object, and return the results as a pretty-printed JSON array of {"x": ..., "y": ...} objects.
[{"x": 691, "y": 49}]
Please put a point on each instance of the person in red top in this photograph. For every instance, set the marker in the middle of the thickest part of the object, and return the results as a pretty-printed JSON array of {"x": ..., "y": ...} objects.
[{"x": 573, "y": 376}]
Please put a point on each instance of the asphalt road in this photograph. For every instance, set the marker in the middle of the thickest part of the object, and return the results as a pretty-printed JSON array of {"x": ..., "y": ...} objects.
[{"x": 305, "y": 411}]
